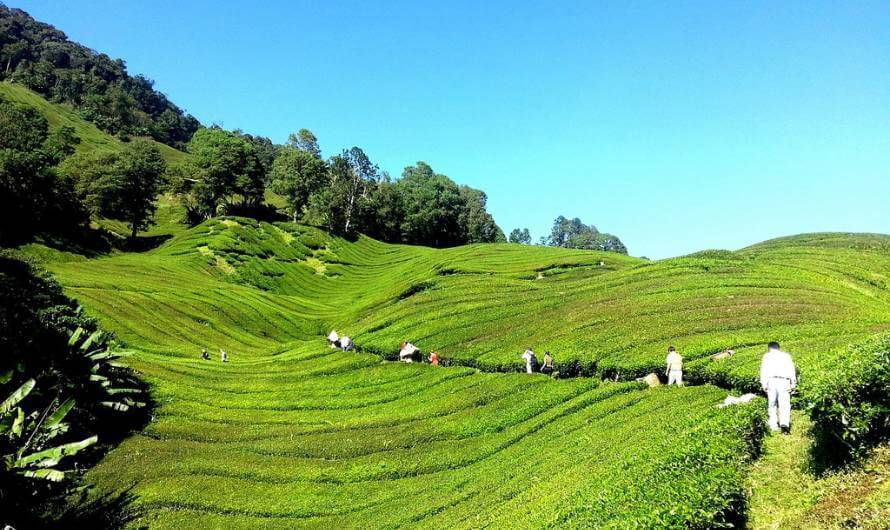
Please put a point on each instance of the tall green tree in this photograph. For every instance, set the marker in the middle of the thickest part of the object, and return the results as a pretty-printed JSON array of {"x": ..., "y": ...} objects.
[
  {"x": 476, "y": 223},
  {"x": 351, "y": 178},
  {"x": 382, "y": 213},
  {"x": 572, "y": 233},
  {"x": 225, "y": 171},
  {"x": 33, "y": 197},
  {"x": 305, "y": 140},
  {"x": 122, "y": 185},
  {"x": 297, "y": 175},
  {"x": 521, "y": 236},
  {"x": 139, "y": 175},
  {"x": 432, "y": 205}
]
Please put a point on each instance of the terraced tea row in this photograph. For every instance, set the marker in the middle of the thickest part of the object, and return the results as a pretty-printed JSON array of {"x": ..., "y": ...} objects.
[
  {"x": 291, "y": 433},
  {"x": 598, "y": 312},
  {"x": 318, "y": 439}
]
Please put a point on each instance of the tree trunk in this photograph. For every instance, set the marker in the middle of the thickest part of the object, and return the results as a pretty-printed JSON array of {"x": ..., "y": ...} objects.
[{"x": 134, "y": 224}]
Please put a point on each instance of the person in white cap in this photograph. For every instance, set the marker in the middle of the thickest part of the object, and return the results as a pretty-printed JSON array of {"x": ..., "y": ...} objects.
[
  {"x": 778, "y": 377},
  {"x": 333, "y": 339}
]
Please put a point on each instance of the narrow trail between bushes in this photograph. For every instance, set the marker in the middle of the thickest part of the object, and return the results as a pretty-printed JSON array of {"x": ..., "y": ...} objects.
[
  {"x": 784, "y": 492},
  {"x": 781, "y": 486}
]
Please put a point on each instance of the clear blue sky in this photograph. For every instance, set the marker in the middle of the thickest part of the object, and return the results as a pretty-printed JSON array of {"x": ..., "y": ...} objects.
[{"x": 678, "y": 126}]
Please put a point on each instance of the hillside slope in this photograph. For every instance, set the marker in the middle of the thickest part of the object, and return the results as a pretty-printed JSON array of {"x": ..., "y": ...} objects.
[
  {"x": 60, "y": 115},
  {"x": 290, "y": 433}
]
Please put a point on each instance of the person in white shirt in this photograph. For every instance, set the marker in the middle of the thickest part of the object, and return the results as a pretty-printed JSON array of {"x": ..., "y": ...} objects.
[
  {"x": 407, "y": 352},
  {"x": 778, "y": 377},
  {"x": 530, "y": 361},
  {"x": 333, "y": 339},
  {"x": 223, "y": 356},
  {"x": 346, "y": 344},
  {"x": 674, "y": 367}
]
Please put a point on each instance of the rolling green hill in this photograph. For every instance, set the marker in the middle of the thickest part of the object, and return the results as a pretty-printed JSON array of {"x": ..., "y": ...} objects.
[
  {"x": 60, "y": 115},
  {"x": 290, "y": 433}
]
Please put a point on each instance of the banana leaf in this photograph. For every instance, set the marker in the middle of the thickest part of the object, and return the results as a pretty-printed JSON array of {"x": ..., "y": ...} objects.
[
  {"x": 56, "y": 417},
  {"x": 75, "y": 336},
  {"x": 18, "y": 423},
  {"x": 55, "y": 453},
  {"x": 17, "y": 396},
  {"x": 53, "y": 475}
]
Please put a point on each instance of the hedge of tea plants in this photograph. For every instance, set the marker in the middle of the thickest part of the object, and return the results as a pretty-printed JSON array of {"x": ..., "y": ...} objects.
[{"x": 292, "y": 433}]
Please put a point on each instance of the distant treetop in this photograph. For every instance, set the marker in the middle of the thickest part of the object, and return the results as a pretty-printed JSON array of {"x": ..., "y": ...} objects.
[{"x": 572, "y": 233}]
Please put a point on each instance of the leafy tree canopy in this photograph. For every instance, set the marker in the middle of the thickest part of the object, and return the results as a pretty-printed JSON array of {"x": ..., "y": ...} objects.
[
  {"x": 521, "y": 236},
  {"x": 572, "y": 233}
]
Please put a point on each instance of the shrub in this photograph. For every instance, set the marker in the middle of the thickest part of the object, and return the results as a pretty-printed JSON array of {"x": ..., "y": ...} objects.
[{"x": 850, "y": 401}]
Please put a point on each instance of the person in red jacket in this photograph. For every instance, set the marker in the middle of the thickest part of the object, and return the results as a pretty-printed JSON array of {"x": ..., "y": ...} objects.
[{"x": 434, "y": 358}]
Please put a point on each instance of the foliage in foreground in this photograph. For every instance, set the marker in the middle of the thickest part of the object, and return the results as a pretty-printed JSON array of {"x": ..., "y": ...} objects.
[
  {"x": 63, "y": 390},
  {"x": 849, "y": 398}
]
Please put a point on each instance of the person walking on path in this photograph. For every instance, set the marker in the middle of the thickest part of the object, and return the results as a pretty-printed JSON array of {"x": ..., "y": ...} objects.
[
  {"x": 674, "y": 367},
  {"x": 547, "y": 368},
  {"x": 778, "y": 377}
]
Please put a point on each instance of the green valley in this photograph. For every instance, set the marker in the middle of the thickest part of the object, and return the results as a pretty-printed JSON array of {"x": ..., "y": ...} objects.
[{"x": 291, "y": 433}]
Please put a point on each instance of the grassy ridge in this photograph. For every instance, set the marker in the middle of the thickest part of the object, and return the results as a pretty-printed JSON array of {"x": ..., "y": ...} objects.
[
  {"x": 290, "y": 433},
  {"x": 60, "y": 115}
]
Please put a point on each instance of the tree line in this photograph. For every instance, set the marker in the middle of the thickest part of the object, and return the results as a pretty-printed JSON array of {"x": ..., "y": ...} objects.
[
  {"x": 46, "y": 189},
  {"x": 346, "y": 194},
  {"x": 572, "y": 233},
  {"x": 40, "y": 57}
]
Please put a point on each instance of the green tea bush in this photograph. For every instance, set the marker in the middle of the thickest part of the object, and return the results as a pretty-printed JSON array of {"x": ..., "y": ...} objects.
[
  {"x": 849, "y": 399},
  {"x": 293, "y": 433}
]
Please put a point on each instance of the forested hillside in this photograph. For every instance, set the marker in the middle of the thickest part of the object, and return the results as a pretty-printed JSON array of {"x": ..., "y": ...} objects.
[
  {"x": 229, "y": 172},
  {"x": 43, "y": 59}
]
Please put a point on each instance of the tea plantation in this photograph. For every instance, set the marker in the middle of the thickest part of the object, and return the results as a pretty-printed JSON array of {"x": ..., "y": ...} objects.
[{"x": 290, "y": 433}]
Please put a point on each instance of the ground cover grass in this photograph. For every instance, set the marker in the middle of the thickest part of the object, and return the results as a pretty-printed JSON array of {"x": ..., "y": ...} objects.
[
  {"x": 786, "y": 493},
  {"x": 291, "y": 433}
]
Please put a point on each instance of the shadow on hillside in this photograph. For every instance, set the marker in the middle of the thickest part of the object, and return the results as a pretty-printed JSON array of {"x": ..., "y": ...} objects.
[
  {"x": 111, "y": 511},
  {"x": 141, "y": 243},
  {"x": 87, "y": 242},
  {"x": 79, "y": 510},
  {"x": 827, "y": 454}
]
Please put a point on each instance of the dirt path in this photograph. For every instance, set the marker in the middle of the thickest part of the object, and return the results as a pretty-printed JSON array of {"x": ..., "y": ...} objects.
[{"x": 784, "y": 494}]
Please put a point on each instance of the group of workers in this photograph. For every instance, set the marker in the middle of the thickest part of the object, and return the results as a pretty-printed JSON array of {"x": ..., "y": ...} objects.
[
  {"x": 223, "y": 356},
  {"x": 336, "y": 341},
  {"x": 778, "y": 379},
  {"x": 778, "y": 375},
  {"x": 408, "y": 352},
  {"x": 532, "y": 364}
]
